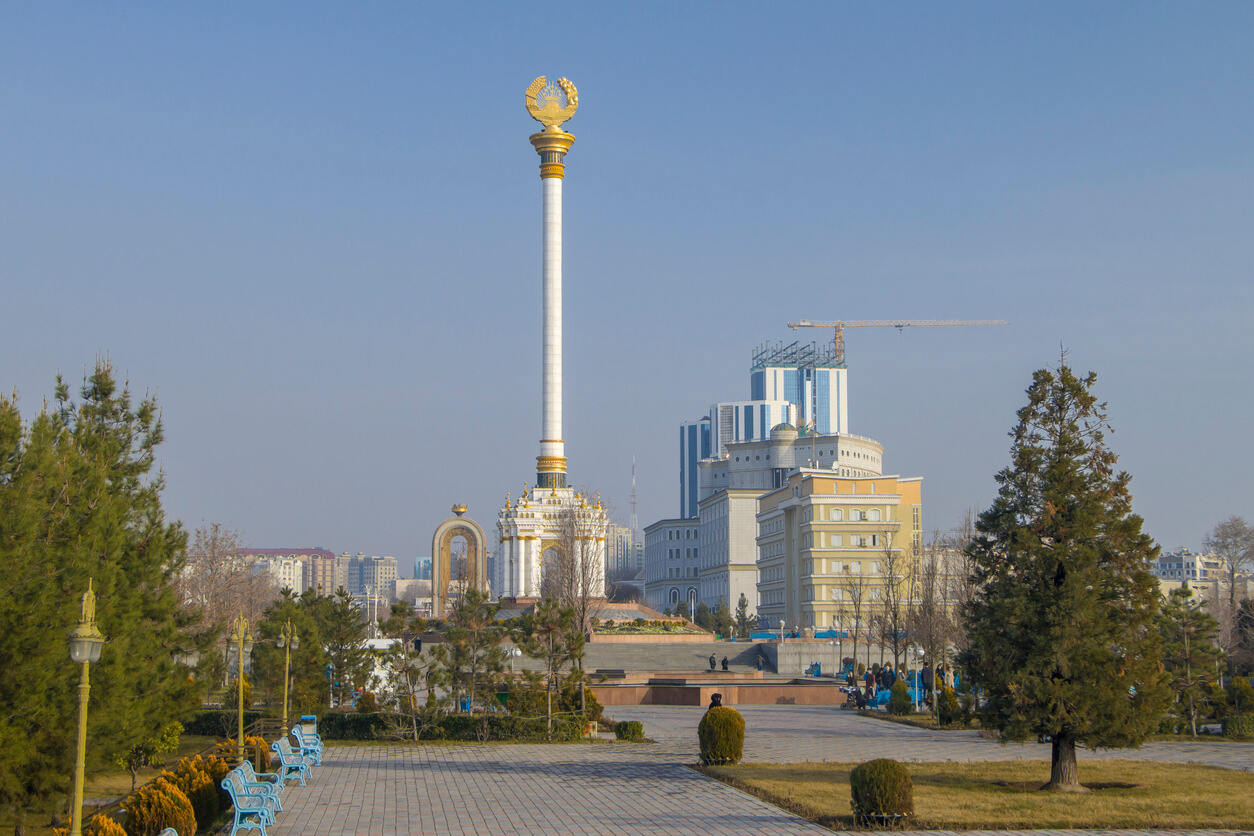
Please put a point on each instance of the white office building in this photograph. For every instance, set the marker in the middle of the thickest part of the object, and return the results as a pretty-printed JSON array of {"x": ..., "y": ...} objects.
[{"x": 672, "y": 562}]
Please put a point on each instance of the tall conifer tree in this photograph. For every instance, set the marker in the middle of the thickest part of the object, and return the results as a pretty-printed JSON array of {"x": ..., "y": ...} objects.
[
  {"x": 80, "y": 498},
  {"x": 1062, "y": 635}
]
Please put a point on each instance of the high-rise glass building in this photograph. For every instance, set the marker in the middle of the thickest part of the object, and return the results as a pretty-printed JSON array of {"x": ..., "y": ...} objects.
[
  {"x": 807, "y": 376},
  {"x": 800, "y": 384}
]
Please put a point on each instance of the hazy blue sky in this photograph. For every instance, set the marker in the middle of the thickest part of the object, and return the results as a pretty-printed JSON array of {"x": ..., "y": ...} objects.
[{"x": 314, "y": 232}]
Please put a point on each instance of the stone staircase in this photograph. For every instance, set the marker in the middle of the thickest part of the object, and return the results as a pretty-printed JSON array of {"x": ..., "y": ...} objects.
[{"x": 685, "y": 657}]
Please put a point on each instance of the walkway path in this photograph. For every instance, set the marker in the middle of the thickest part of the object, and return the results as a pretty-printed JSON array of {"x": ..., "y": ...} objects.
[
  {"x": 793, "y": 734},
  {"x": 624, "y": 789},
  {"x": 519, "y": 789}
]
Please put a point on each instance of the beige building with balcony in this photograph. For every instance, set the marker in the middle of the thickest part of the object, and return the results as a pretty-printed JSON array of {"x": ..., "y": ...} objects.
[{"x": 829, "y": 546}]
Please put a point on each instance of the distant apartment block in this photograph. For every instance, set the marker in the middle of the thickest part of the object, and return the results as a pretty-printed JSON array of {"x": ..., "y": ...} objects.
[
  {"x": 829, "y": 547},
  {"x": 288, "y": 568}
]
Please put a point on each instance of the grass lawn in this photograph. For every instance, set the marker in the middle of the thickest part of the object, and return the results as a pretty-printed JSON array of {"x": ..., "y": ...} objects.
[{"x": 1003, "y": 795}]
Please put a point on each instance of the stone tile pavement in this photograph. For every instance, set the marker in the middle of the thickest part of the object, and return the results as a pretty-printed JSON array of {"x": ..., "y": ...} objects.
[
  {"x": 518, "y": 789},
  {"x": 620, "y": 789}
]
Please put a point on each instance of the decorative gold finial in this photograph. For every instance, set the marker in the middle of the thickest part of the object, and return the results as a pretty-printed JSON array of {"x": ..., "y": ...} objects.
[
  {"x": 551, "y": 105},
  {"x": 89, "y": 603}
]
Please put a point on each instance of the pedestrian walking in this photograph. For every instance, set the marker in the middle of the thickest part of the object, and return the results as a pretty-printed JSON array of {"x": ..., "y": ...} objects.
[{"x": 713, "y": 661}]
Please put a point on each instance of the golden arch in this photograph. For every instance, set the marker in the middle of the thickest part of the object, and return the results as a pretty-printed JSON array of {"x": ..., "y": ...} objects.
[{"x": 441, "y": 558}]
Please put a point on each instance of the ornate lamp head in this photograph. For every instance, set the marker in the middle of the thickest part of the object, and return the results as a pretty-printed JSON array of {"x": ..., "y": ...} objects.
[{"x": 86, "y": 639}]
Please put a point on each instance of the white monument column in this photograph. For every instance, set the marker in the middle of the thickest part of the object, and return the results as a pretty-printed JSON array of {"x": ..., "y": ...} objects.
[{"x": 552, "y": 105}]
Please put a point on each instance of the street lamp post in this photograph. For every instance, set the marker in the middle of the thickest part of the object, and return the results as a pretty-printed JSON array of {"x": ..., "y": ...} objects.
[
  {"x": 781, "y": 631},
  {"x": 289, "y": 641},
  {"x": 514, "y": 653},
  {"x": 242, "y": 638},
  {"x": 86, "y": 641}
]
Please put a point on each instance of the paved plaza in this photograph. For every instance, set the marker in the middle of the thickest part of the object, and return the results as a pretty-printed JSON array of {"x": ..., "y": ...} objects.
[{"x": 619, "y": 788}]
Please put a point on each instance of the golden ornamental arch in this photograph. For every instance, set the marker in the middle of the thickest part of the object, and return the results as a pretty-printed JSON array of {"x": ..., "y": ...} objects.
[{"x": 476, "y": 574}]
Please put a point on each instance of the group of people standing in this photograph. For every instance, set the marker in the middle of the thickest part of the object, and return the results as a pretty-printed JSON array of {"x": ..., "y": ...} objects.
[
  {"x": 863, "y": 690},
  {"x": 873, "y": 681}
]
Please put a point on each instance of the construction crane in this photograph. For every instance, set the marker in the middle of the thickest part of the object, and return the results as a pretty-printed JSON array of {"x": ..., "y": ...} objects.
[{"x": 840, "y": 326}]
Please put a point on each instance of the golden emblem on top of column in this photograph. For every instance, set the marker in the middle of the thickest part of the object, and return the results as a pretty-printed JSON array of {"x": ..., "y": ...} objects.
[{"x": 552, "y": 104}]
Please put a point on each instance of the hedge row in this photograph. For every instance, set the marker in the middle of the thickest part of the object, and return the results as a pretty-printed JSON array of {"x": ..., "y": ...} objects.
[
  {"x": 218, "y": 722},
  {"x": 494, "y": 727}
]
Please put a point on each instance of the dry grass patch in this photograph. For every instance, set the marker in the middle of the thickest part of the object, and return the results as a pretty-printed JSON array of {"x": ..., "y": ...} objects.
[{"x": 1004, "y": 795}]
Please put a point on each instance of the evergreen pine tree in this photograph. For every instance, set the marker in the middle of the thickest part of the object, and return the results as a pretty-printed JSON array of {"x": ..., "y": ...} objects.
[
  {"x": 1189, "y": 650},
  {"x": 551, "y": 634},
  {"x": 742, "y": 617},
  {"x": 1062, "y": 635},
  {"x": 80, "y": 499}
]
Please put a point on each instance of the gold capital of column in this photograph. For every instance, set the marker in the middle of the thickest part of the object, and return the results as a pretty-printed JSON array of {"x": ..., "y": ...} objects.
[{"x": 552, "y": 144}]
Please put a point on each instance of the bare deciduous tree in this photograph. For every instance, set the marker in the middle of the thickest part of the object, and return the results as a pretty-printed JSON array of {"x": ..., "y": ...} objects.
[
  {"x": 1232, "y": 541},
  {"x": 855, "y": 588},
  {"x": 220, "y": 581},
  {"x": 573, "y": 573},
  {"x": 932, "y": 620},
  {"x": 897, "y": 577}
]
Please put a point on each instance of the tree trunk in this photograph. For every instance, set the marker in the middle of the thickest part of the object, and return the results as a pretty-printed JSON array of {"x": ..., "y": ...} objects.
[{"x": 1063, "y": 774}]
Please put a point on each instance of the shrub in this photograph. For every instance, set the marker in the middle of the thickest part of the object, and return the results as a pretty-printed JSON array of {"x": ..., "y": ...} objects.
[
  {"x": 526, "y": 700},
  {"x": 631, "y": 730},
  {"x": 569, "y": 701},
  {"x": 156, "y": 806},
  {"x": 881, "y": 790},
  {"x": 722, "y": 735},
  {"x": 218, "y": 723},
  {"x": 1167, "y": 725},
  {"x": 216, "y": 768},
  {"x": 948, "y": 710},
  {"x": 502, "y": 727},
  {"x": 861, "y": 669},
  {"x": 201, "y": 789},
  {"x": 1239, "y": 726},
  {"x": 899, "y": 699},
  {"x": 258, "y": 750},
  {"x": 1240, "y": 695},
  {"x": 99, "y": 825},
  {"x": 366, "y": 703},
  {"x": 335, "y": 726}
]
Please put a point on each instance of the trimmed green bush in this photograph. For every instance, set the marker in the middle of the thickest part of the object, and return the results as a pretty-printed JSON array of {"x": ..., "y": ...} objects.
[
  {"x": 881, "y": 791},
  {"x": 631, "y": 730},
  {"x": 722, "y": 736},
  {"x": 1239, "y": 726},
  {"x": 156, "y": 806},
  {"x": 899, "y": 699},
  {"x": 1167, "y": 725}
]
